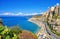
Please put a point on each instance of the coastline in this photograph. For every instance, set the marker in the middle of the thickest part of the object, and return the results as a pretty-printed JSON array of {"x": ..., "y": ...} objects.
[
  {"x": 40, "y": 24},
  {"x": 43, "y": 28},
  {"x": 30, "y": 20}
]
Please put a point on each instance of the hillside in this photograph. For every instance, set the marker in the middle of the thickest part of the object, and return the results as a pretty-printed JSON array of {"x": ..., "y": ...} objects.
[{"x": 52, "y": 18}]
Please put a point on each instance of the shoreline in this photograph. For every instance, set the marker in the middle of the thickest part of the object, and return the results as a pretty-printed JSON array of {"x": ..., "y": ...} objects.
[
  {"x": 30, "y": 20},
  {"x": 41, "y": 25}
]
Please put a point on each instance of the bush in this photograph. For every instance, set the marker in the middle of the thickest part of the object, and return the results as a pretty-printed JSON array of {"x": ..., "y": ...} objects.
[
  {"x": 5, "y": 33},
  {"x": 15, "y": 30},
  {"x": 12, "y": 33},
  {"x": 7, "y": 37},
  {"x": 1, "y": 28}
]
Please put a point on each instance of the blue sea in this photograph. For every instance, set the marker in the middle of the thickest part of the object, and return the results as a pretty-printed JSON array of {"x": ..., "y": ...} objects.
[{"x": 21, "y": 21}]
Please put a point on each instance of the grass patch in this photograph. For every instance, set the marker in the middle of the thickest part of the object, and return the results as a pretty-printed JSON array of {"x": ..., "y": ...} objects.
[{"x": 57, "y": 33}]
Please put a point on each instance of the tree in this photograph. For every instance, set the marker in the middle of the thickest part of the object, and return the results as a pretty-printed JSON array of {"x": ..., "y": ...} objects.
[{"x": 15, "y": 30}]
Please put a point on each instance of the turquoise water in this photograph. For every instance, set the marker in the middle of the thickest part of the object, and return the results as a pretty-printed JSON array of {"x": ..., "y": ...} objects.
[{"x": 21, "y": 22}]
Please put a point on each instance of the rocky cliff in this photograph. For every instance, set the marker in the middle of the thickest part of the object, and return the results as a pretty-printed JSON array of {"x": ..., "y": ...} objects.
[{"x": 52, "y": 16}]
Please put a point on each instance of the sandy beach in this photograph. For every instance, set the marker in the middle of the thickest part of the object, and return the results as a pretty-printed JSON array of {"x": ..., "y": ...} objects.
[{"x": 40, "y": 24}]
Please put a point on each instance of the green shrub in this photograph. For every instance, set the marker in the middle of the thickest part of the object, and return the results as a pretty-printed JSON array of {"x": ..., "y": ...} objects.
[
  {"x": 7, "y": 37},
  {"x": 15, "y": 30},
  {"x": 15, "y": 36},
  {"x": 1, "y": 28}
]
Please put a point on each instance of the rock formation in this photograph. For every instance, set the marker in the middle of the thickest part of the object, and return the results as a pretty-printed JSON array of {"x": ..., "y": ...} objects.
[{"x": 1, "y": 22}]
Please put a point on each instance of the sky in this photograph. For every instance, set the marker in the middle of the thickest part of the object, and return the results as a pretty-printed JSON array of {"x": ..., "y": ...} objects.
[{"x": 25, "y": 7}]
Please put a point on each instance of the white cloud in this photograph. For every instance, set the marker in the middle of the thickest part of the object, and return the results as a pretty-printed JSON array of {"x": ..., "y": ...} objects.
[
  {"x": 18, "y": 14},
  {"x": 57, "y": 4},
  {"x": 7, "y": 13}
]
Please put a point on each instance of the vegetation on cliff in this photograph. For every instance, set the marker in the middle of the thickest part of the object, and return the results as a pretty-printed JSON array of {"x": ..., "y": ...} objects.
[
  {"x": 52, "y": 18},
  {"x": 15, "y": 33}
]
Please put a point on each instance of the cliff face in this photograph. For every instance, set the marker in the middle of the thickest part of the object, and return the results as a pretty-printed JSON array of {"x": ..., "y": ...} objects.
[
  {"x": 52, "y": 16},
  {"x": 1, "y": 24}
]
